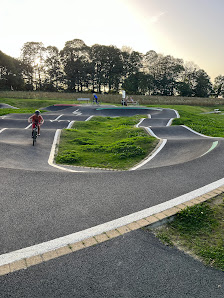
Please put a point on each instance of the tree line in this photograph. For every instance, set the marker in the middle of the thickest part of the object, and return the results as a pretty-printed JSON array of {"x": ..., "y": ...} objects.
[{"x": 99, "y": 68}]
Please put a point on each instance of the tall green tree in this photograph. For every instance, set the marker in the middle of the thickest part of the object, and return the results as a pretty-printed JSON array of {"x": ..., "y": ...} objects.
[
  {"x": 33, "y": 54},
  {"x": 166, "y": 71},
  {"x": 75, "y": 58},
  {"x": 114, "y": 68},
  {"x": 138, "y": 83},
  {"x": 11, "y": 73},
  {"x": 203, "y": 86},
  {"x": 219, "y": 85},
  {"x": 108, "y": 67},
  {"x": 187, "y": 80},
  {"x": 132, "y": 62},
  {"x": 55, "y": 77}
]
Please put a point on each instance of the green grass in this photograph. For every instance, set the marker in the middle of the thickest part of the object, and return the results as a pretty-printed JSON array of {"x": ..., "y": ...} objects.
[
  {"x": 195, "y": 118},
  {"x": 199, "y": 230},
  {"x": 29, "y": 105},
  {"x": 105, "y": 142},
  {"x": 22, "y": 103},
  {"x": 17, "y": 111}
]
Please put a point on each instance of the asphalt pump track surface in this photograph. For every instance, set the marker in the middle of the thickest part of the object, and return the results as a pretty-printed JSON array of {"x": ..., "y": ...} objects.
[{"x": 41, "y": 202}]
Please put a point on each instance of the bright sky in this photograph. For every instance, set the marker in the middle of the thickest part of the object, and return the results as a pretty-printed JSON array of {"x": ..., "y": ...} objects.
[{"x": 187, "y": 29}]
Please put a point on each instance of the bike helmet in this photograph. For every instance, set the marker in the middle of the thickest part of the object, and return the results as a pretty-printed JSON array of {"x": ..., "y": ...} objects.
[{"x": 37, "y": 112}]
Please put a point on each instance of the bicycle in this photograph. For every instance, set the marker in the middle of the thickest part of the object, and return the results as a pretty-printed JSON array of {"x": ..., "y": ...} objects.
[{"x": 34, "y": 134}]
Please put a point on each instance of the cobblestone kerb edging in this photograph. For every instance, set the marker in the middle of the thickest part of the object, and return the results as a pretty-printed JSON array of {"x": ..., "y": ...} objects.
[{"x": 155, "y": 219}]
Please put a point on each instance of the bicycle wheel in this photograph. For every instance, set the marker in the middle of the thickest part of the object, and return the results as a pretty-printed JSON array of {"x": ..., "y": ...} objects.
[{"x": 34, "y": 135}]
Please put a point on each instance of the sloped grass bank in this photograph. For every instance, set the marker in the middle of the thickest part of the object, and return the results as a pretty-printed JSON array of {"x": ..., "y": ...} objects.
[
  {"x": 17, "y": 111},
  {"x": 199, "y": 230},
  {"x": 35, "y": 103},
  {"x": 200, "y": 119},
  {"x": 105, "y": 142}
]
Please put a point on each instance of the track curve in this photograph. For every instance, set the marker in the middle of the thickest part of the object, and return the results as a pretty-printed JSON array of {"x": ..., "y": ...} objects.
[{"x": 40, "y": 203}]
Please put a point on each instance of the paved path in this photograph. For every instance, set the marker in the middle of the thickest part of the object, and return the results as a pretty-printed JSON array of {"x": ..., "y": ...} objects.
[
  {"x": 41, "y": 203},
  {"x": 135, "y": 265}
]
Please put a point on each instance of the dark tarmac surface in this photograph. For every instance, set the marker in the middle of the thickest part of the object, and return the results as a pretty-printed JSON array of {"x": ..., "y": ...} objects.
[
  {"x": 135, "y": 265},
  {"x": 40, "y": 203}
]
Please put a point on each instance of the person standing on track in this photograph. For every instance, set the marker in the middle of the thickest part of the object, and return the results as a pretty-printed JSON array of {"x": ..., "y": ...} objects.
[{"x": 36, "y": 119}]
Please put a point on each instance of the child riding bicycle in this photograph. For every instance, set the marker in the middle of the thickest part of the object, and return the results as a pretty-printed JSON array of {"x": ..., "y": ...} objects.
[{"x": 36, "y": 119}]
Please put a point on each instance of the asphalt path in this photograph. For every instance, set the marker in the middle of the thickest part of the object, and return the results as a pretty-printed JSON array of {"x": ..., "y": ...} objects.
[
  {"x": 40, "y": 202},
  {"x": 135, "y": 265}
]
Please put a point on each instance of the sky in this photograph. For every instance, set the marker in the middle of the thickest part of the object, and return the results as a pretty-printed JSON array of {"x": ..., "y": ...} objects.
[{"x": 188, "y": 29}]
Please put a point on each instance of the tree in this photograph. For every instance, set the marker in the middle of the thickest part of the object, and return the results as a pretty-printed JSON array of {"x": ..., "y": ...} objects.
[
  {"x": 166, "y": 71},
  {"x": 33, "y": 54},
  {"x": 187, "y": 80},
  {"x": 75, "y": 58},
  {"x": 114, "y": 68},
  {"x": 219, "y": 85},
  {"x": 184, "y": 89},
  {"x": 203, "y": 85},
  {"x": 148, "y": 60},
  {"x": 139, "y": 83},
  {"x": 54, "y": 80},
  {"x": 132, "y": 62},
  {"x": 108, "y": 67},
  {"x": 11, "y": 73}
]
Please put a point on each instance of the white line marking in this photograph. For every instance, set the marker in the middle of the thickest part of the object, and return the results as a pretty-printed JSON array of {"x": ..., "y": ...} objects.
[
  {"x": 199, "y": 134},
  {"x": 178, "y": 115},
  {"x": 99, "y": 229},
  {"x": 90, "y": 117},
  {"x": 170, "y": 122},
  {"x": 28, "y": 126},
  {"x": 59, "y": 120},
  {"x": 52, "y": 154},
  {"x": 142, "y": 119},
  {"x": 58, "y": 117},
  {"x": 1, "y": 130},
  {"x": 77, "y": 113},
  {"x": 151, "y": 132},
  {"x": 150, "y": 157},
  {"x": 70, "y": 124}
]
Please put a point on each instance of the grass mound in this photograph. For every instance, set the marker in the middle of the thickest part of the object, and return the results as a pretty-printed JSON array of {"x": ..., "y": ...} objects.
[{"x": 105, "y": 142}]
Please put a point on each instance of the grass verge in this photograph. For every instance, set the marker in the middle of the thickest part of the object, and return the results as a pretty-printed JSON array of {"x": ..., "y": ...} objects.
[
  {"x": 200, "y": 119},
  {"x": 199, "y": 231},
  {"x": 105, "y": 142}
]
